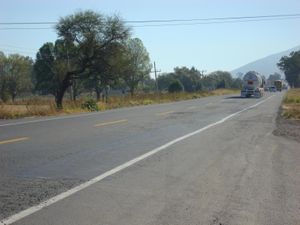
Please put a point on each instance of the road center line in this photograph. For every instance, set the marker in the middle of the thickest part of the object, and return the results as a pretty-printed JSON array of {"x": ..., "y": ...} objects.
[
  {"x": 13, "y": 140},
  {"x": 164, "y": 113},
  {"x": 117, "y": 169},
  {"x": 110, "y": 123},
  {"x": 192, "y": 107}
]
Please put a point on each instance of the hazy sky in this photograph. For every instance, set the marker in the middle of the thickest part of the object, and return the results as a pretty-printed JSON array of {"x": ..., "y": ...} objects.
[{"x": 208, "y": 47}]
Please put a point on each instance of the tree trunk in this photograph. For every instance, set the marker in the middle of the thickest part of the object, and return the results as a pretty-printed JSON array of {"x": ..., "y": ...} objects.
[
  {"x": 131, "y": 91},
  {"x": 106, "y": 94},
  {"x": 61, "y": 92},
  {"x": 98, "y": 93},
  {"x": 13, "y": 97},
  {"x": 58, "y": 100},
  {"x": 74, "y": 87}
]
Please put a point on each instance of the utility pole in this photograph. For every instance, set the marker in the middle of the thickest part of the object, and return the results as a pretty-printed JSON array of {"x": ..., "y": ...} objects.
[{"x": 155, "y": 74}]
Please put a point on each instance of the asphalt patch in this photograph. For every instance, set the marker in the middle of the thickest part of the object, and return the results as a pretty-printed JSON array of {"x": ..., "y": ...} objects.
[{"x": 17, "y": 194}]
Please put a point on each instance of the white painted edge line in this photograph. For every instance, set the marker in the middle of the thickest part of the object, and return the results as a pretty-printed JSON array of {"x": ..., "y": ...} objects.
[{"x": 82, "y": 186}]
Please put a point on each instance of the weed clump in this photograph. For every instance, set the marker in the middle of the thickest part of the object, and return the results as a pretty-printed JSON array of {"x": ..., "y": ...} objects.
[{"x": 90, "y": 105}]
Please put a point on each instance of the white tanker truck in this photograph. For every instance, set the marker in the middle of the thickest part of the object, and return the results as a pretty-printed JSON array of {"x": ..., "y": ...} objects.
[{"x": 253, "y": 85}]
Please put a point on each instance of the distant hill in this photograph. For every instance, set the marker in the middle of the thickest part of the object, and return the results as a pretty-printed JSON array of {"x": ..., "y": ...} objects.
[{"x": 266, "y": 65}]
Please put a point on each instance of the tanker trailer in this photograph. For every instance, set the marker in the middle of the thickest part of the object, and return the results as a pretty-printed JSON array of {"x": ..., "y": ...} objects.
[{"x": 253, "y": 85}]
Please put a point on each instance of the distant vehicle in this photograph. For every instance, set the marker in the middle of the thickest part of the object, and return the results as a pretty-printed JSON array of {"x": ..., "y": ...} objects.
[
  {"x": 253, "y": 85},
  {"x": 272, "y": 89},
  {"x": 278, "y": 85}
]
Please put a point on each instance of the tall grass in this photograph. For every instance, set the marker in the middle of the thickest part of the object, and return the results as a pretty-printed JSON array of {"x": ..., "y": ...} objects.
[
  {"x": 291, "y": 104},
  {"x": 44, "y": 106}
]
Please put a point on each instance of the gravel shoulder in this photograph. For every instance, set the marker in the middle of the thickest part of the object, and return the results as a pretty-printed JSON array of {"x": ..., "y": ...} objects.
[
  {"x": 287, "y": 128},
  {"x": 27, "y": 192}
]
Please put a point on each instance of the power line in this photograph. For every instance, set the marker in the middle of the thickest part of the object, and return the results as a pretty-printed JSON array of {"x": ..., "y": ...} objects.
[
  {"x": 170, "y": 20},
  {"x": 26, "y": 28},
  {"x": 213, "y": 22},
  {"x": 169, "y": 24},
  {"x": 215, "y": 18},
  {"x": 15, "y": 47},
  {"x": 27, "y": 23}
]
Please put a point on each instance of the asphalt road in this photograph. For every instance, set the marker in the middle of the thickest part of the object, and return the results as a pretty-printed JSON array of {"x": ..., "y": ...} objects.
[{"x": 235, "y": 172}]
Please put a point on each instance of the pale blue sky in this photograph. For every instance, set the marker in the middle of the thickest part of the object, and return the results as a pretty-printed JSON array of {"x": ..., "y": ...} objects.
[{"x": 207, "y": 47}]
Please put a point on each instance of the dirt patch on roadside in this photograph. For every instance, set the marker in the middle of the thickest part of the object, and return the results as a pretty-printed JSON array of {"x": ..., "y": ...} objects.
[{"x": 288, "y": 128}]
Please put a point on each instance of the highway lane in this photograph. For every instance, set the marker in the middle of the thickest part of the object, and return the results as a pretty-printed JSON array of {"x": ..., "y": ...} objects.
[{"x": 75, "y": 149}]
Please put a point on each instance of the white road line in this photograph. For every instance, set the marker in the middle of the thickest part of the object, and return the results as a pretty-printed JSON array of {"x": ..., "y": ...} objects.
[{"x": 117, "y": 169}]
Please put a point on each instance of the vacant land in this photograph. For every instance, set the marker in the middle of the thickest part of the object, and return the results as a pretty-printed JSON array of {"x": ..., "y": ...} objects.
[
  {"x": 288, "y": 119},
  {"x": 39, "y": 106},
  {"x": 291, "y": 104}
]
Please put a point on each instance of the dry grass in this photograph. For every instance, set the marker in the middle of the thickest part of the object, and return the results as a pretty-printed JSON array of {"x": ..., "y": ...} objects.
[
  {"x": 37, "y": 107},
  {"x": 291, "y": 104},
  {"x": 41, "y": 106}
]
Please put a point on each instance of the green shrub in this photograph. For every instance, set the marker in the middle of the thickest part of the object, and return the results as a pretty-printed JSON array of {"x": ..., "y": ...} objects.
[
  {"x": 175, "y": 86},
  {"x": 90, "y": 104}
]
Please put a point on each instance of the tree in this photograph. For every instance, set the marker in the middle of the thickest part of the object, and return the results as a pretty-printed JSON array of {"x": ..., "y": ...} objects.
[
  {"x": 275, "y": 76},
  {"x": 136, "y": 65},
  {"x": 290, "y": 65},
  {"x": 83, "y": 39},
  {"x": 3, "y": 78},
  {"x": 19, "y": 69},
  {"x": 164, "y": 81},
  {"x": 15, "y": 75},
  {"x": 190, "y": 78},
  {"x": 51, "y": 67},
  {"x": 148, "y": 85},
  {"x": 105, "y": 72},
  {"x": 237, "y": 83},
  {"x": 176, "y": 86},
  {"x": 224, "y": 79}
]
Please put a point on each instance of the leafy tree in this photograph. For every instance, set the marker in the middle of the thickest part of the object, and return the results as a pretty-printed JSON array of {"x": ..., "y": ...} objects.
[
  {"x": 164, "y": 81},
  {"x": 136, "y": 65},
  {"x": 190, "y": 78},
  {"x": 176, "y": 86},
  {"x": 15, "y": 75},
  {"x": 83, "y": 39},
  {"x": 223, "y": 78},
  {"x": 51, "y": 67},
  {"x": 19, "y": 69},
  {"x": 275, "y": 76},
  {"x": 148, "y": 85},
  {"x": 3, "y": 78},
  {"x": 105, "y": 72},
  {"x": 237, "y": 83},
  {"x": 290, "y": 65}
]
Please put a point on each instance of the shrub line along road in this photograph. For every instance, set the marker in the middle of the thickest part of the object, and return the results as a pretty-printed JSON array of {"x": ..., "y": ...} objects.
[{"x": 221, "y": 165}]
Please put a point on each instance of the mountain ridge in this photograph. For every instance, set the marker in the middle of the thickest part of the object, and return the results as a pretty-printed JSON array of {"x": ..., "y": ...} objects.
[{"x": 266, "y": 65}]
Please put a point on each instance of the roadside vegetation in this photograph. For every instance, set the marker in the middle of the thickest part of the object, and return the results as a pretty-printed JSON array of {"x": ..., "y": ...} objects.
[
  {"x": 291, "y": 104},
  {"x": 95, "y": 64},
  {"x": 45, "y": 106}
]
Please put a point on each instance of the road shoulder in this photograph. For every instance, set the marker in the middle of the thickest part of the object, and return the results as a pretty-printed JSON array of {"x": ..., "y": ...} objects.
[{"x": 287, "y": 128}]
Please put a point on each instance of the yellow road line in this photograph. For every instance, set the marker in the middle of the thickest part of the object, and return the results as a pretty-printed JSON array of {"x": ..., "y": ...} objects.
[
  {"x": 164, "y": 113},
  {"x": 13, "y": 140},
  {"x": 192, "y": 107},
  {"x": 110, "y": 123}
]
